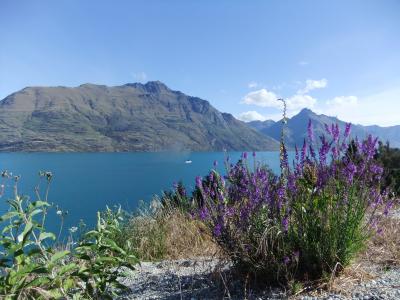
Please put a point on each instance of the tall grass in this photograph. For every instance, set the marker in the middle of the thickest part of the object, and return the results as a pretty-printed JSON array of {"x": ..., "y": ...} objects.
[{"x": 167, "y": 231}]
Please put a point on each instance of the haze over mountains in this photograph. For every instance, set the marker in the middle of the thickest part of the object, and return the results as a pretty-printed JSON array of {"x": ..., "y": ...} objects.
[
  {"x": 131, "y": 117},
  {"x": 143, "y": 117},
  {"x": 296, "y": 130}
]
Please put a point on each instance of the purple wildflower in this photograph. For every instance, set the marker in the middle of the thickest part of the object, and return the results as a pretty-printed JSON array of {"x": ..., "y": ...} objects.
[
  {"x": 215, "y": 164},
  {"x": 285, "y": 223},
  {"x": 388, "y": 207},
  {"x": 350, "y": 170},
  {"x": 203, "y": 214},
  {"x": 199, "y": 182},
  {"x": 327, "y": 129},
  {"x": 254, "y": 154},
  {"x": 303, "y": 152},
  {"x": 312, "y": 152},
  {"x": 310, "y": 131},
  {"x": 218, "y": 230},
  {"x": 244, "y": 155},
  {"x": 281, "y": 193},
  {"x": 377, "y": 171},
  {"x": 286, "y": 260},
  {"x": 323, "y": 151},
  {"x": 347, "y": 130}
]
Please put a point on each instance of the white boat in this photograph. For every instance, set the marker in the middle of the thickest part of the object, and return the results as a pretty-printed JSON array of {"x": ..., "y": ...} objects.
[{"x": 188, "y": 161}]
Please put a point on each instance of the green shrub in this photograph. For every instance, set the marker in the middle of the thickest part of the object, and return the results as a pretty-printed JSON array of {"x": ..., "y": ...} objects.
[
  {"x": 32, "y": 267},
  {"x": 390, "y": 159}
]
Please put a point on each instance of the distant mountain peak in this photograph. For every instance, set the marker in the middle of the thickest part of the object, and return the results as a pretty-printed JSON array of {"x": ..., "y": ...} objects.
[
  {"x": 306, "y": 111},
  {"x": 150, "y": 86},
  {"x": 296, "y": 128}
]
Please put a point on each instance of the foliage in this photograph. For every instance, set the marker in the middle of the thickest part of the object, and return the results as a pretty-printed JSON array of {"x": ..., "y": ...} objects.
[
  {"x": 309, "y": 221},
  {"x": 176, "y": 198},
  {"x": 390, "y": 159},
  {"x": 31, "y": 265},
  {"x": 101, "y": 257}
]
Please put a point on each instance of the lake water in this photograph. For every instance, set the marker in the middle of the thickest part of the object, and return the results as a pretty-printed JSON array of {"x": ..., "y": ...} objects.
[{"x": 84, "y": 183}]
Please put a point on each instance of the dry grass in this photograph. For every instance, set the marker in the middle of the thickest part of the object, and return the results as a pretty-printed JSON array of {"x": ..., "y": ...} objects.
[
  {"x": 384, "y": 248},
  {"x": 187, "y": 238},
  {"x": 169, "y": 234}
]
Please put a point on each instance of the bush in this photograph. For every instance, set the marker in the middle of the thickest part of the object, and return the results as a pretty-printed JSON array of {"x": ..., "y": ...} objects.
[
  {"x": 309, "y": 221},
  {"x": 390, "y": 159},
  {"x": 32, "y": 266}
]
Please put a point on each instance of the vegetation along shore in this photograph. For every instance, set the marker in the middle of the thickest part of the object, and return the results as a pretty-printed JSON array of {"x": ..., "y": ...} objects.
[{"x": 330, "y": 215}]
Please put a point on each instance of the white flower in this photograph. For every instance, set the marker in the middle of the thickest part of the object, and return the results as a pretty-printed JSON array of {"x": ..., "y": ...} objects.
[
  {"x": 59, "y": 212},
  {"x": 73, "y": 229}
]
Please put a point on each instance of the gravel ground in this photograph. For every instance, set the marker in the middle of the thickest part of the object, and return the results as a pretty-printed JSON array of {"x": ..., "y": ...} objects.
[
  {"x": 208, "y": 279},
  {"x": 203, "y": 278},
  {"x": 385, "y": 285}
]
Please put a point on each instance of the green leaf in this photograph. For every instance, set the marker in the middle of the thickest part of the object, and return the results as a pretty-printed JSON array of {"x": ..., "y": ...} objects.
[
  {"x": 67, "y": 268},
  {"x": 40, "y": 204},
  {"x": 33, "y": 251},
  {"x": 39, "y": 282},
  {"x": 8, "y": 215},
  {"x": 58, "y": 255},
  {"x": 105, "y": 259},
  {"x": 47, "y": 235},
  {"x": 40, "y": 270},
  {"x": 35, "y": 212},
  {"x": 27, "y": 230}
]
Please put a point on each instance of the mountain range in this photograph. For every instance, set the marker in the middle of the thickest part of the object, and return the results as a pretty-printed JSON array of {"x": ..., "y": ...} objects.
[
  {"x": 131, "y": 117},
  {"x": 144, "y": 117},
  {"x": 296, "y": 128}
]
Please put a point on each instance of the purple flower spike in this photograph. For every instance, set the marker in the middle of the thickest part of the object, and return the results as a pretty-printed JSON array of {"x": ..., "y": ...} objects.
[
  {"x": 285, "y": 223},
  {"x": 350, "y": 170},
  {"x": 335, "y": 132},
  {"x": 254, "y": 154},
  {"x": 199, "y": 182},
  {"x": 215, "y": 164},
  {"x": 310, "y": 131},
  {"x": 347, "y": 130},
  {"x": 388, "y": 208},
  {"x": 327, "y": 129},
  {"x": 203, "y": 213},
  {"x": 286, "y": 260},
  {"x": 218, "y": 230},
  {"x": 303, "y": 151},
  {"x": 244, "y": 155}
]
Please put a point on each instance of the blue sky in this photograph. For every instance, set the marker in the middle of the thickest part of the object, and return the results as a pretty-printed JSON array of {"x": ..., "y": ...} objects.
[{"x": 340, "y": 58}]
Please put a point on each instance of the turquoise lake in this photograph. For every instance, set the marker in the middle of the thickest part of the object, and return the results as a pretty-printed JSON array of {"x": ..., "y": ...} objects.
[{"x": 84, "y": 183}]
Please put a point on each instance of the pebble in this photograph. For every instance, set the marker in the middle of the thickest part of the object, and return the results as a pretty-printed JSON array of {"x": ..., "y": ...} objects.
[{"x": 197, "y": 280}]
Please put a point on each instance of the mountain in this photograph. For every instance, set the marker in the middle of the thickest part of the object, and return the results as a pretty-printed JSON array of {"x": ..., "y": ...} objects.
[
  {"x": 296, "y": 129},
  {"x": 131, "y": 117},
  {"x": 261, "y": 125}
]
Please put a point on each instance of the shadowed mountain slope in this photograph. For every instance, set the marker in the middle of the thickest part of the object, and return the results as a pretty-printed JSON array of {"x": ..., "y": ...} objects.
[{"x": 132, "y": 117}]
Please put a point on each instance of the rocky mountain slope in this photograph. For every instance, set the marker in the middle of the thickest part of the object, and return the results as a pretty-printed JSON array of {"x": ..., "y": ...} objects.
[
  {"x": 131, "y": 117},
  {"x": 296, "y": 129}
]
